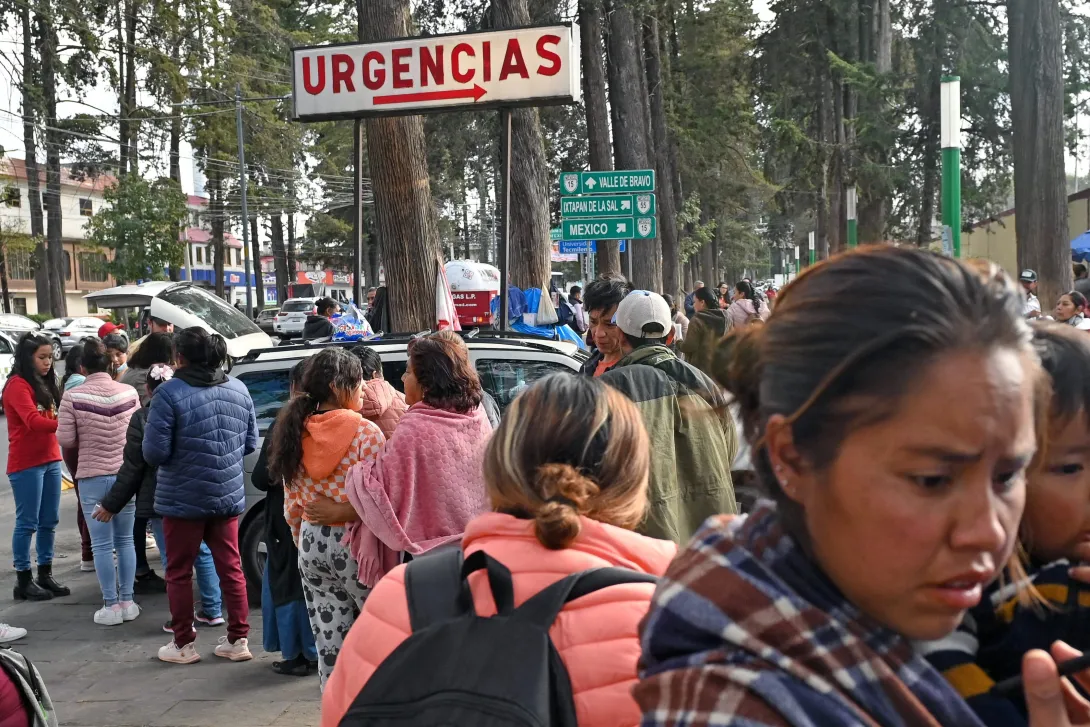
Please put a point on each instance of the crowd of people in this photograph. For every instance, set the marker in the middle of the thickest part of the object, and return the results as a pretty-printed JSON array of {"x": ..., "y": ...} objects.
[{"x": 902, "y": 569}]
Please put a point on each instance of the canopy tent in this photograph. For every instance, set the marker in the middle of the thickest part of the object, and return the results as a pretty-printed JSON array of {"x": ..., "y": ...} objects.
[{"x": 1080, "y": 248}]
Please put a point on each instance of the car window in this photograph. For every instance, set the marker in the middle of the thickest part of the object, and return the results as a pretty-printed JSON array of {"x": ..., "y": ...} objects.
[
  {"x": 297, "y": 306},
  {"x": 505, "y": 379},
  {"x": 217, "y": 313},
  {"x": 89, "y": 323},
  {"x": 269, "y": 390},
  {"x": 5, "y": 347}
]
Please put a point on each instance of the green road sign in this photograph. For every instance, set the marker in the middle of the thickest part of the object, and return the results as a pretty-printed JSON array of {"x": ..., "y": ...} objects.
[
  {"x": 625, "y": 205},
  {"x": 622, "y": 181},
  {"x": 554, "y": 234},
  {"x": 610, "y": 228}
]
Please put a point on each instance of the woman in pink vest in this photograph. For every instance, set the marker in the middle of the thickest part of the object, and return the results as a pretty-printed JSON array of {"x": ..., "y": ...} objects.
[{"x": 566, "y": 474}]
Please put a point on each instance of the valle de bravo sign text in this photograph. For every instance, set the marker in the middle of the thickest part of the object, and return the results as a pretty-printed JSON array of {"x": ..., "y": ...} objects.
[{"x": 520, "y": 66}]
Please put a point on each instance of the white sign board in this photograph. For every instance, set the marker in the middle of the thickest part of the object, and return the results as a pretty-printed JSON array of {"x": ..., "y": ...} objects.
[{"x": 519, "y": 66}]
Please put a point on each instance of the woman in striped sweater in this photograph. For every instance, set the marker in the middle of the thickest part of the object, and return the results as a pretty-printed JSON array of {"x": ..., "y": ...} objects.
[{"x": 93, "y": 418}]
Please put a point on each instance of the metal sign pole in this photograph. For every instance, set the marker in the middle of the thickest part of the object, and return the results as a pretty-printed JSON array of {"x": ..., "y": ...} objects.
[{"x": 505, "y": 220}]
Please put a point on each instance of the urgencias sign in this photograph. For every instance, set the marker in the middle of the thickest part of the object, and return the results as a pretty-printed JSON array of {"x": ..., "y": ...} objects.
[{"x": 516, "y": 67}]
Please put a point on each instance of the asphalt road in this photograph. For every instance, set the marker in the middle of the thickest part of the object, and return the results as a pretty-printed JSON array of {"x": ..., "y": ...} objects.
[{"x": 109, "y": 676}]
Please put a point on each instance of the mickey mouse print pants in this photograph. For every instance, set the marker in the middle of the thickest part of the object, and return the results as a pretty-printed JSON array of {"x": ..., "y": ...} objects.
[{"x": 334, "y": 596}]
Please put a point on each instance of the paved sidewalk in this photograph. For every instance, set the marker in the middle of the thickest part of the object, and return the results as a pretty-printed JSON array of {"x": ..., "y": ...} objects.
[{"x": 109, "y": 676}]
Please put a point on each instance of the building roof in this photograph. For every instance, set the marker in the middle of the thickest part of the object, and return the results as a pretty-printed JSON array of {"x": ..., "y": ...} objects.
[
  {"x": 12, "y": 168},
  {"x": 201, "y": 236},
  {"x": 1081, "y": 194},
  {"x": 195, "y": 200}
]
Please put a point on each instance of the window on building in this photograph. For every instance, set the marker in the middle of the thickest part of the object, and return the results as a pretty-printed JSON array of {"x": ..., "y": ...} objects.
[
  {"x": 200, "y": 255},
  {"x": 92, "y": 267},
  {"x": 208, "y": 254},
  {"x": 67, "y": 266},
  {"x": 85, "y": 207},
  {"x": 18, "y": 305},
  {"x": 194, "y": 219},
  {"x": 13, "y": 197},
  {"x": 91, "y": 307},
  {"x": 238, "y": 258},
  {"x": 19, "y": 265}
]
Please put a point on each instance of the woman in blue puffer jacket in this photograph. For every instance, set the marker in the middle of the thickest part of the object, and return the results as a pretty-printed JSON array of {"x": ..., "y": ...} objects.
[{"x": 200, "y": 426}]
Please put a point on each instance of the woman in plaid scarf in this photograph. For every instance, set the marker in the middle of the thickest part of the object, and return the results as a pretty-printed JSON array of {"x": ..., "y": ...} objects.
[{"x": 890, "y": 401}]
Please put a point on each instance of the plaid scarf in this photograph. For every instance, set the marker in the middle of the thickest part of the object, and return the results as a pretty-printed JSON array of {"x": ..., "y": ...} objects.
[{"x": 744, "y": 629}]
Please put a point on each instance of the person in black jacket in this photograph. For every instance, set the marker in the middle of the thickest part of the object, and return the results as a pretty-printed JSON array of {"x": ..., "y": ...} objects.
[
  {"x": 285, "y": 623},
  {"x": 137, "y": 479},
  {"x": 319, "y": 326}
]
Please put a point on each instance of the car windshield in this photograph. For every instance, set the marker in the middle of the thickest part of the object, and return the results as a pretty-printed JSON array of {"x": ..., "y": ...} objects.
[
  {"x": 56, "y": 323},
  {"x": 297, "y": 306},
  {"x": 267, "y": 313},
  {"x": 223, "y": 318},
  {"x": 11, "y": 320}
]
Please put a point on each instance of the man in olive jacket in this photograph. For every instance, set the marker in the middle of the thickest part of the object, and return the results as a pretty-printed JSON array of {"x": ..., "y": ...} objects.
[{"x": 693, "y": 439}]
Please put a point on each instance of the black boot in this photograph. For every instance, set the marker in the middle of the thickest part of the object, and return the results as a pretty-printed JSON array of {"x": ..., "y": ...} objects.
[
  {"x": 46, "y": 581},
  {"x": 26, "y": 589}
]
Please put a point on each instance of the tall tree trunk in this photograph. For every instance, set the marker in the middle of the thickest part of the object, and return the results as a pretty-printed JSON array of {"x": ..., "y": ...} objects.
[
  {"x": 530, "y": 261},
  {"x": 123, "y": 111},
  {"x": 824, "y": 113},
  {"x": 404, "y": 212},
  {"x": 215, "y": 207},
  {"x": 58, "y": 304},
  {"x": 4, "y": 291},
  {"x": 594, "y": 99},
  {"x": 292, "y": 263},
  {"x": 630, "y": 141},
  {"x": 255, "y": 267},
  {"x": 33, "y": 173},
  {"x": 930, "y": 131},
  {"x": 131, "y": 10},
  {"x": 874, "y": 203},
  {"x": 1037, "y": 108},
  {"x": 667, "y": 213},
  {"x": 280, "y": 258}
]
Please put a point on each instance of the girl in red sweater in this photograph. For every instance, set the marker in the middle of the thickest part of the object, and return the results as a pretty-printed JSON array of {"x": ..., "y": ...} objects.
[{"x": 30, "y": 401}]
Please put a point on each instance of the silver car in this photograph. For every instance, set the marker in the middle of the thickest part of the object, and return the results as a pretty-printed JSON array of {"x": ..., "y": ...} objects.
[
  {"x": 16, "y": 325},
  {"x": 74, "y": 330}
]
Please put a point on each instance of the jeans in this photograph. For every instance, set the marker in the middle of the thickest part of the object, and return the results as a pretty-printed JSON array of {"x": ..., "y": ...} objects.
[
  {"x": 183, "y": 539},
  {"x": 37, "y": 492},
  {"x": 208, "y": 583},
  {"x": 107, "y": 537}
]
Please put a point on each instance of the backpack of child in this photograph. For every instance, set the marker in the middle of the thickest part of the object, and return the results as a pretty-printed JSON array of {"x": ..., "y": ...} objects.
[
  {"x": 564, "y": 313},
  {"x": 28, "y": 681},
  {"x": 458, "y": 669}
]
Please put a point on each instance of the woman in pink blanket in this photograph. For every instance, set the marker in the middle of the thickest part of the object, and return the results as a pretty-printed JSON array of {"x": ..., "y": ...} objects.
[{"x": 427, "y": 484}]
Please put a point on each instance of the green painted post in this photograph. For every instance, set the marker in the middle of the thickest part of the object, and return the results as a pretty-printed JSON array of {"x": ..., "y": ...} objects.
[
  {"x": 853, "y": 224},
  {"x": 951, "y": 164}
]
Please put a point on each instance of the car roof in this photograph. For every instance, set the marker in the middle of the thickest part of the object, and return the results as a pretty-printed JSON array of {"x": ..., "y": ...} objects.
[{"x": 493, "y": 340}]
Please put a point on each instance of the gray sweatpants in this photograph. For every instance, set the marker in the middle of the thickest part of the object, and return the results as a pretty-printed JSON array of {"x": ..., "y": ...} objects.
[{"x": 334, "y": 596}]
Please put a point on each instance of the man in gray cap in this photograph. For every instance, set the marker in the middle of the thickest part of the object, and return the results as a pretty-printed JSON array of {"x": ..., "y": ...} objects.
[
  {"x": 693, "y": 439},
  {"x": 1032, "y": 307}
]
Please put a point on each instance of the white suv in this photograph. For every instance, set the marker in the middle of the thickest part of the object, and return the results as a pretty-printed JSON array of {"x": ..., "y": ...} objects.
[
  {"x": 506, "y": 363},
  {"x": 293, "y": 316}
]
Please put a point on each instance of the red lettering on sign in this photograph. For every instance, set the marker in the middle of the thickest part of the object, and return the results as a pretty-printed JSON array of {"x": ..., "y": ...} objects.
[
  {"x": 342, "y": 72},
  {"x": 308, "y": 82},
  {"x": 373, "y": 78},
  {"x": 462, "y": 49},
  {"x": 512, "y": 61},
  {"x": 400, "y": 59},
  {"x": 486, "y": 51},
  {"x": 431, "y": 65},
  {"x": 546, "y": 54}
]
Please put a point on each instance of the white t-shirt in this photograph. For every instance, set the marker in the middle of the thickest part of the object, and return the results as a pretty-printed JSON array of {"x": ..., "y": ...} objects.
[{"x": 1031, "y": 304}]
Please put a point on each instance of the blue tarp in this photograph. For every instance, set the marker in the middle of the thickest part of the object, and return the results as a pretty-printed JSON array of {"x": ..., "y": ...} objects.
[
  {"x": 519, "y": 302},
  {"x": 1080, "y": 248}
]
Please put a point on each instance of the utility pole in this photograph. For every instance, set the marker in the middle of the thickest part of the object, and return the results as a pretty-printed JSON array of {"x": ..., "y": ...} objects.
[
  {"x": 951, "y": 165},
  {"x": 853, "y": 222},
  {"x": 246, "y": 272},
  {"x": 357, "y": 190}
]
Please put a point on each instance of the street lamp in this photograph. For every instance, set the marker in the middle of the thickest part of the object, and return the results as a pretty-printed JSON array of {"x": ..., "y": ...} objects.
[
  {"x": 951, "y": 165},
  {"x": 853, "y": 225}
]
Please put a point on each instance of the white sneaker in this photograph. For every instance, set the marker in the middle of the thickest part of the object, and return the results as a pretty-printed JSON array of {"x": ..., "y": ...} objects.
[
  {"x": 109, "y": 615},
  {"x": 87, "y": 566},
  {"x": 10, "y": 633},
  {"x": 238, "y": 651},
  {"x": 129, "y": 610},
  {"x": 185, "y": 655}
]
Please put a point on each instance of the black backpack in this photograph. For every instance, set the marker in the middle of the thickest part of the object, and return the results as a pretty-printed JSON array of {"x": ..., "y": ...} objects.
[
  {"x": 565, "y": 314},
  {"x": 458, "y": 669}
]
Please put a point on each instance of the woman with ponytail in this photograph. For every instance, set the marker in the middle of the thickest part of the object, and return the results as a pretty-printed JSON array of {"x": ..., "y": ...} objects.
[
  {"x": 566, "y": 474},
  {"x": 746, "y": 306}
]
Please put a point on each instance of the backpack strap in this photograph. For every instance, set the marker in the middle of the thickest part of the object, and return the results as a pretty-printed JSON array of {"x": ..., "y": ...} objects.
[
  {"x": 543, "y": 607},
  {"x": 434, "y": 588}
]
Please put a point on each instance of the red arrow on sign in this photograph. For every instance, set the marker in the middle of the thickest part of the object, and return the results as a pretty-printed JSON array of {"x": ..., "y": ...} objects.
[{"x": 474, "y": 93}]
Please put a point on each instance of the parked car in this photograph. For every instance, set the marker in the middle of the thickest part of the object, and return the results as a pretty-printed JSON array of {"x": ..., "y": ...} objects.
[
  {"x": 291, "y": 318},
  {"x": 16, "y": 325},
  {"x": 506, "y": 364},
  {"x": 7, "y": 360},
  {"x": 74, "y": 330},
  {"x": 265, "y": 319},
  {"x": 185, "y": 305}
]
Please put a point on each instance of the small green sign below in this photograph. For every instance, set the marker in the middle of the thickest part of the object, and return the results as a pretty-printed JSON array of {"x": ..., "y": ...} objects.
[
  {"x": 554, "y": 234},
  {"x": 617, "y": 182},
  {"x": 625, "y": 205},
  {"x": 610, "y": 228}
]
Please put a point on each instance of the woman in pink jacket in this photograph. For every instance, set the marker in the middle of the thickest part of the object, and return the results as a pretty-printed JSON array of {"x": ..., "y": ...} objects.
[{"x": 566, "y": 474}]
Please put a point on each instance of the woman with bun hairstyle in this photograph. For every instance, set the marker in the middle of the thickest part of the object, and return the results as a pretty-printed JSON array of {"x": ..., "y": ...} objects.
[
  {"x": 746, "y": 306},
  {"x": 886, "y": 522},
  {"x": 566, "y": 474}
]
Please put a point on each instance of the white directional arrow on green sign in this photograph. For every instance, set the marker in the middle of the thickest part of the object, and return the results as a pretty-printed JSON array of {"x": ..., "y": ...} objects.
[
  {"x": 616, "y": 182},
  {"x": 604, "y": 205},
  {"x": 609, "y": 228}
]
